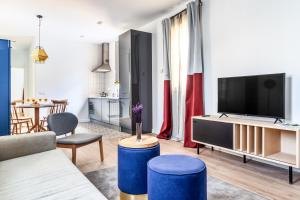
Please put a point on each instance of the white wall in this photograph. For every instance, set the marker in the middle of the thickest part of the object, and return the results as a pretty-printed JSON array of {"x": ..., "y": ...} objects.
[
  {"x": 20, "y": 58},
  {"x": 241, "y": 37},
  {"x": 67, "y": 72},
  {"x": 17, "y": 83}
]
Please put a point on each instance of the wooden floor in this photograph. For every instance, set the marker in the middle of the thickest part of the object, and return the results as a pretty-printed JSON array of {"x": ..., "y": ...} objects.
[{"x": 263, "y": 179}]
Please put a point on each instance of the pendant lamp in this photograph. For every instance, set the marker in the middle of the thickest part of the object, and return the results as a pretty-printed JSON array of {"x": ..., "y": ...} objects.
[{"x": 39, "y": 54}]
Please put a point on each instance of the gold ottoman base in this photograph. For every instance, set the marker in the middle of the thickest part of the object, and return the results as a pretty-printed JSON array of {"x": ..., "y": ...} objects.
[{"x": 125, "y": 196}]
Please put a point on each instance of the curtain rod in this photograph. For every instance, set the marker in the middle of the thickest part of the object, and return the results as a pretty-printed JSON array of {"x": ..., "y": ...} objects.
[
  {"x": 178, "y": 13},
  {"x": 200, "y": 3}
]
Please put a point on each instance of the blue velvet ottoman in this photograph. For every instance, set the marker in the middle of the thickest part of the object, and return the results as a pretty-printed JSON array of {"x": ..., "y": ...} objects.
[
  {"x": 133, "y": 157},
  {"x": 177, "y": 177}
]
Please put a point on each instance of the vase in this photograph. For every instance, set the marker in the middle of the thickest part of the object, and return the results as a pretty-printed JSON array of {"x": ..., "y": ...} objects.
[{"x": 138, "y": 131}]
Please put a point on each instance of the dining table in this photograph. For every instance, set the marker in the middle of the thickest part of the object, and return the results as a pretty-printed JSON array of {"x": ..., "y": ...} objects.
[{"x": 36, "y": 106}]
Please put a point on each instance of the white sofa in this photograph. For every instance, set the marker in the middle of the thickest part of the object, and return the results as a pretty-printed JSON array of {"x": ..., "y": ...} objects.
[{"x": 32, "y": 168}]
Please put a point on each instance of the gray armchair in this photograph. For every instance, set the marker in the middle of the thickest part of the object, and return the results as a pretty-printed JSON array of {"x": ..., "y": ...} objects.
[{"x": 63, "y": 123}]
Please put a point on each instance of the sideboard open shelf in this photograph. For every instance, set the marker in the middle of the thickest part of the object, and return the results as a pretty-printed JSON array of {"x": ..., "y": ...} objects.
[{"x": 263, "y": 140}]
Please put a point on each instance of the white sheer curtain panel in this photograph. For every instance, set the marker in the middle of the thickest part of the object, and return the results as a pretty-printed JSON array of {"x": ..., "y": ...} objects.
[{"x": 179, "y": 61}]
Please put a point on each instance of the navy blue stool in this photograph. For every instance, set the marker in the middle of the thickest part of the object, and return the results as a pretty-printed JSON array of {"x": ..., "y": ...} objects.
[
  {"x": 132, "y": 167},
  {"x": 177, "y": 177}
]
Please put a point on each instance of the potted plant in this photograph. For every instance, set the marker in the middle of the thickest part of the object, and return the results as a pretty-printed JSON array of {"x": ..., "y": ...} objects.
[{"x": 137, "y": 111}]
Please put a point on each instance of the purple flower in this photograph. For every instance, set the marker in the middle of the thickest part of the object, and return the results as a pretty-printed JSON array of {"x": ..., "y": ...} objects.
[{"x": 137, "y": 111}]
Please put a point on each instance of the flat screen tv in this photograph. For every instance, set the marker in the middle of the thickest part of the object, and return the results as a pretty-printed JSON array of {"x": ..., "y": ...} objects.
[{"x": 262, "y": 95}]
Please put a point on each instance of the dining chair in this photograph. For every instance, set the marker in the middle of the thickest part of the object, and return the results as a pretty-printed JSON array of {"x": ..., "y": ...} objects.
[
  {"x": 21, "y": 110},
  {"x": 64, "y": 123},
  {"x": 59, "y": 106},
  {"x": 18, "y": 119}
]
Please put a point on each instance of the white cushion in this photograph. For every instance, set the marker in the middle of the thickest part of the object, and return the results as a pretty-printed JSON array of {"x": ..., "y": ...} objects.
[{"x": 47, "y": 175}]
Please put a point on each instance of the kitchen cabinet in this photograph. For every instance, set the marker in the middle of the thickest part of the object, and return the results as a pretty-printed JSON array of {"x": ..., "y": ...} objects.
[
  {"x": 95, "y": 109},
  {"x": 114, "y": 111},
  {"x": 104, "y": 110},
  {"x": 135, "y": 65}
]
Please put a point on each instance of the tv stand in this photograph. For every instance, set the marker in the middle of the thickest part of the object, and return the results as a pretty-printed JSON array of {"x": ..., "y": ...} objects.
[
  {"x": 223, "y": 114},
  {"x": 266, "y": 141},
  {"x": 277, "y": 120}
]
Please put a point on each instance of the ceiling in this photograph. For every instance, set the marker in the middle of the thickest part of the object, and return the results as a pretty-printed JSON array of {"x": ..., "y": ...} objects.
[{"x": 77, "y": 19}]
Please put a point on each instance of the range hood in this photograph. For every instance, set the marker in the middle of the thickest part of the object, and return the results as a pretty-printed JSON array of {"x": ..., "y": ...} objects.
[{"x": 104, "y": 67}]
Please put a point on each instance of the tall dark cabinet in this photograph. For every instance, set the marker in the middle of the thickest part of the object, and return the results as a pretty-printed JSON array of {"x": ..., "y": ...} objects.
[
  {"x": 4, "y": 87},
  {"x": 135, "y": 63}
]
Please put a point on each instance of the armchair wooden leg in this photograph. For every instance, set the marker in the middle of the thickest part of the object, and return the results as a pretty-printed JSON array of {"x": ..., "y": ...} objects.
[
  {"x": 101, "y": 150},
  {"x": 74, "y": 154}
]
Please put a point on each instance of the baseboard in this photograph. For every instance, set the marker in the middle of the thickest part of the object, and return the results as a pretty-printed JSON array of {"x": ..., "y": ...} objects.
[
  {"x": 83, "y": 120},
  {"x": 156, "y": 132}
]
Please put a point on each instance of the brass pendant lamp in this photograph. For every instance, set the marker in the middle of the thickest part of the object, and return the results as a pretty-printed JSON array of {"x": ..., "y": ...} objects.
[{"x": 39, "y": 54}]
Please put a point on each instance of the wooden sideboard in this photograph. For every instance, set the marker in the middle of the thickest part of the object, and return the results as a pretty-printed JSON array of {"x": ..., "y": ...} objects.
[{"x": 275, "y": 143}]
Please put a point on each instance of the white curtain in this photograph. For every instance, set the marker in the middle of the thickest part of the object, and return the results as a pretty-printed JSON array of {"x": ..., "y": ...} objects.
[{"x": 179, "y": 61}]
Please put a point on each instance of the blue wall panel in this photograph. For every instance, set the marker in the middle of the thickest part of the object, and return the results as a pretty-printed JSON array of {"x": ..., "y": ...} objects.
[{"x": 4, "y": 87}]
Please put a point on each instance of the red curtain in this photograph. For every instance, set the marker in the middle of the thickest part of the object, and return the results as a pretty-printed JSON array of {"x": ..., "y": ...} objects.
[
  {"x": 166, "y": 128},
  {"x": 194, "y": 105},
  {"x": 194, "y": 88}
]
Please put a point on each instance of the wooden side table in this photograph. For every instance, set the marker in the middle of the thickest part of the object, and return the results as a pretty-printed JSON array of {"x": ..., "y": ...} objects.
[
  {"x": 132, "y": 159},
  {"x": 147, "y": 141}
]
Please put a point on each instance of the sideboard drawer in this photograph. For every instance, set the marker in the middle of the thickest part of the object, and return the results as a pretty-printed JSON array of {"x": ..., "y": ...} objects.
[{"x": 212, "y": 132}]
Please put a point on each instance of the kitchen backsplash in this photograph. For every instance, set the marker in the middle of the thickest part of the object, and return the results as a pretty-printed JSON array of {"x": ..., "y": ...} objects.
[{"x": 105, "y": 82}]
